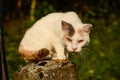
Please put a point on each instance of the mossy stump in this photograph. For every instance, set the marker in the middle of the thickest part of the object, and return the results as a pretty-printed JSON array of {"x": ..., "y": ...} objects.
[{"x": 47, "y": 70}]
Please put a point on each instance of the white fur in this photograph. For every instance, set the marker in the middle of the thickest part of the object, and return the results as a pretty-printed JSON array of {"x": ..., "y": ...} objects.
[{"x": 47, "y": 33}]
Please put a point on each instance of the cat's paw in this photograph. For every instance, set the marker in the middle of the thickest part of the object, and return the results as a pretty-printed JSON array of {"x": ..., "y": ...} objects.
[{"x": 59, "y": 58}]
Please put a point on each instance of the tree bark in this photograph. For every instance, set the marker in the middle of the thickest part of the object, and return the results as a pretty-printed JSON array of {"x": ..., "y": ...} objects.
[
  {"x": 3, "y": 65},
  {"x": 47, "y": 70}
]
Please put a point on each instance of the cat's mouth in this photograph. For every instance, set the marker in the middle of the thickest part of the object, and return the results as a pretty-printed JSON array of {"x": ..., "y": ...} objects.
[{"x": 73, "y": 52}]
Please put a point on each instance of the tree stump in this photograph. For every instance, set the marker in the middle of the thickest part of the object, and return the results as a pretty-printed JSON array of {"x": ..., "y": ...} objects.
[{"x": 47, "y": 70}]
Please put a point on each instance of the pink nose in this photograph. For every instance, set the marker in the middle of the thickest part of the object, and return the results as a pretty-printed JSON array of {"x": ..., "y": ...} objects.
[{"x": 74, "y": 49}]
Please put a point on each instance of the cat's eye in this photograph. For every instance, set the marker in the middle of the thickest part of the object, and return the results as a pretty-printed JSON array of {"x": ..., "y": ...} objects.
[
  {"x": 68, "y": 39},
  {"x": 80, "y": 41}
]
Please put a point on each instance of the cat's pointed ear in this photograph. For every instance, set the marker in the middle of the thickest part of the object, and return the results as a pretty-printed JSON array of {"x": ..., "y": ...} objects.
[
  {"x": 87, "y": 28},
  {"x": 65, "y": 25}
]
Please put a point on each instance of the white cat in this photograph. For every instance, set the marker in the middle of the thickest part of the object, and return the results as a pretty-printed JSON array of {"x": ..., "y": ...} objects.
[{"x": 54, "y": 32}]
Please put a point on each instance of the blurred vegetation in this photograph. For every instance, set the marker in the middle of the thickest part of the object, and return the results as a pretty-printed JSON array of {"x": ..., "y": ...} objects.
[{"x": 100, "y": 60}]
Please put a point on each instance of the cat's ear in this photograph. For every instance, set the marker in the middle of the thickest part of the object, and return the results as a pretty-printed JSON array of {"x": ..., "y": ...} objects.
[
  {"x": 87, "y": 28},
  {"x": 65, "y": 25}
]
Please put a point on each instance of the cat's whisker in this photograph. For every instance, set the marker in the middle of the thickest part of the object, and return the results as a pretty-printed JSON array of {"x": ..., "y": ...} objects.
[
  {"x": 84, "y": 55},
  {"x": 81, "y": 58},
  {"x": 85, "y": 58},
  {"x": 88, "y": 51}
]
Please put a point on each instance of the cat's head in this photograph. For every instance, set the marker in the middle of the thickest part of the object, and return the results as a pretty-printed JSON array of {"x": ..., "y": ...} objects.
[{"x": 75, "y": 37}]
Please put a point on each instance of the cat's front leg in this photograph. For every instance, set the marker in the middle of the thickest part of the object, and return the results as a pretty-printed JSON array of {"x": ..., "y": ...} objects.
[{"x": 59, "y": 48}]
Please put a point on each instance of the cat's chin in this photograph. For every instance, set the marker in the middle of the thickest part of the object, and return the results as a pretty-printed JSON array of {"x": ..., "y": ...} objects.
[{"x": 74, "y": 51}]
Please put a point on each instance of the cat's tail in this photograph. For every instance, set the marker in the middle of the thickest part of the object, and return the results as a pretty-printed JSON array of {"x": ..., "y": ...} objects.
[{"x": 31, "y": 55}]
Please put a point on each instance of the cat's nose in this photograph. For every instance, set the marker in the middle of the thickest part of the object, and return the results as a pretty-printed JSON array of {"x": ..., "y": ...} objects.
[{"x": 74, "y": 49}]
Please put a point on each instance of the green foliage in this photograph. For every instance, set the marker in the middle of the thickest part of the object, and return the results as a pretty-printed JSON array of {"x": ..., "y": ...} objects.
[
  {"x": 43, "y": 9},
  {"x": 98, "y": 61},
  {"x": 12, "y": 39}
]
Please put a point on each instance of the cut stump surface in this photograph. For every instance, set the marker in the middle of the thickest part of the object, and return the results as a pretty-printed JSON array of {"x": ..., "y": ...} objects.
[{"x": 47, "y": 70}]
